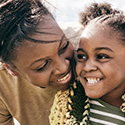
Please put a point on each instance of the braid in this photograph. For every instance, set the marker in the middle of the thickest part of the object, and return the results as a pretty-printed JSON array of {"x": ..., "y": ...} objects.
[
  {"x": 70, "y": 107},
  {"x": 78, "y": 105}
]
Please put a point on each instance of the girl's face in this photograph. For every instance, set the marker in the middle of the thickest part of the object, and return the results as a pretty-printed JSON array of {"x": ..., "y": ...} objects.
[
  {"x": 101, "y": 62},
  {"x": 46, "y": 64}
]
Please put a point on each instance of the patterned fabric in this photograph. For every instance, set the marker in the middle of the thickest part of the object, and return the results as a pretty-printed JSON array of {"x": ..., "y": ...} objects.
[
  {"x": 70, "y": 107},
  {"x": 102, "y": 113},
  {"x": 59, "y": 109},
  {"x": 122, "y": 107}
]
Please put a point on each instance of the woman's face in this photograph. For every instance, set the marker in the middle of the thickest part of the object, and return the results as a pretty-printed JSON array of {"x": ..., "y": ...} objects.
[
  {"x": 101, "y": 63},
  {"x": 46, "y": 64}
]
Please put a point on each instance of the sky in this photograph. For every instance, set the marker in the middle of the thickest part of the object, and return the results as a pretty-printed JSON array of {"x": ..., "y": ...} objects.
[{"x": 67, "y": 11}]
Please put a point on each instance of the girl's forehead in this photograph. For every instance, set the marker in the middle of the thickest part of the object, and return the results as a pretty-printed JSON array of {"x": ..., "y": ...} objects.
[
  {"x": 94, "y": 28},
  {"x": 98, "y": 34}
]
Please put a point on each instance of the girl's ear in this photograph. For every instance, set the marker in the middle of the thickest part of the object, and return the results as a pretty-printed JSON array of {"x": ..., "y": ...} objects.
[{"x": 9, "y": 69}]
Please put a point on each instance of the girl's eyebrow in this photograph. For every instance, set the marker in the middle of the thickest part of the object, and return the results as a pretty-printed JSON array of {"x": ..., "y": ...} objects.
[
  {"x": 80, "y": 49},
  {"x": 105, "y": 48}
]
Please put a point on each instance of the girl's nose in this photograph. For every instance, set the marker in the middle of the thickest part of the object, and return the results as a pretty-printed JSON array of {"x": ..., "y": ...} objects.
[
  {"x": 90, "y": 65},
  {"x": 61, "y": 65}
]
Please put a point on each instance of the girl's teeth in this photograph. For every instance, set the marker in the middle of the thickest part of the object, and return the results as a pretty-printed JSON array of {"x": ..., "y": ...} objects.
[
  {"x": 92, "y": 80},
  {"x": 63, "y": 78}
]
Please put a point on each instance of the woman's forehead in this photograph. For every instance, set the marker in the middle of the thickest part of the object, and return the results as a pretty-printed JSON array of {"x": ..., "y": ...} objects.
[
  {"x": 28, "y": 53},
  {"x": 48, "y": 30}
]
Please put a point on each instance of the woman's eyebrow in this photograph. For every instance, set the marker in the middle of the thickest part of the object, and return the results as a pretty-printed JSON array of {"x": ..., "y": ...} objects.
[
  {"x": 36, "y": 61},
  {"x": 63, "y": 36},
  {"x": 104, "y": 48}
]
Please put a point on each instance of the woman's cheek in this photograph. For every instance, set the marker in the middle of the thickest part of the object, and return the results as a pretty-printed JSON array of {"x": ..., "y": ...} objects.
[
  {"x": 78, "y": 68},
  {"x": 39, "y": 79}
]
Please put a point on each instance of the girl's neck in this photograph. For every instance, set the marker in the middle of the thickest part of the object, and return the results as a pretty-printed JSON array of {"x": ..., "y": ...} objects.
[{"x": 113, "y": 100}]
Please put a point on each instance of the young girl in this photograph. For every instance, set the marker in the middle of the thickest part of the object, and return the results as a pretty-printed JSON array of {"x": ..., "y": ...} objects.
[
  {"x": 37, "y": 60},
  {"x": 101, "y": 71},
  {"x": 101, "y": 63}
]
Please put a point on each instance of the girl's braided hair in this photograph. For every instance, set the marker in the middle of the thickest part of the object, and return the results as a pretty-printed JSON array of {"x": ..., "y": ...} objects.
[
  {"x": 71, "y": 107},
  {"x": 114, "y": 18},
  {"x": 18, "y": 19}
]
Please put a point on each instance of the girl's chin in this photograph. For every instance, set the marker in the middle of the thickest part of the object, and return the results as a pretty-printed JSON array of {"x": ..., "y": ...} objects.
[{"x": 92, "y": 95}]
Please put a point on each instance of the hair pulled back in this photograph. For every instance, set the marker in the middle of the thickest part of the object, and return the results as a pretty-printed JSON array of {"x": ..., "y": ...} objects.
[
  {"x": 105, "y": 14},
  {"x": 18, "y": 19}
]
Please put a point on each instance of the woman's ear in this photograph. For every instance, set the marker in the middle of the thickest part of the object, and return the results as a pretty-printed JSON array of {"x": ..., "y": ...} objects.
[{"x": 9, "y": 69}]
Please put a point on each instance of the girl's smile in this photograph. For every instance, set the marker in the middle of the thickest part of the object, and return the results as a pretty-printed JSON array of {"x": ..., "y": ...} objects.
[
  {"x": 91, "y": 81},
  {"x": 101, "y": 62}
]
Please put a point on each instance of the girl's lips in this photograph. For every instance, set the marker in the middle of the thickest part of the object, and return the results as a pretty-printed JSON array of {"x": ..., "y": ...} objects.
[{"x": 65, "y": 79}]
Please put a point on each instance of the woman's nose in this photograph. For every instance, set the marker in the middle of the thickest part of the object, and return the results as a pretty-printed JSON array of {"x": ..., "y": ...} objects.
[
  {"x": 90, "y": 65},
  {"x": 61, "y": 65}
]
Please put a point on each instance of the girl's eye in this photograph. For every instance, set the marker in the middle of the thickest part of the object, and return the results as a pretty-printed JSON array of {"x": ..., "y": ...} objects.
[
  {"x": 81, "y": 57},
  {"x": 64, "y": 47},
  {"x": 43, "y": 66},
  {"x": 102, "y": 56}
]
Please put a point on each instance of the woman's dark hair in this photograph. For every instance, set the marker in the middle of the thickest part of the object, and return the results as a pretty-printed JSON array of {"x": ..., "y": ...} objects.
[
  {"x": 105, "y": 14},
  {"x": 18, "y": 19}
]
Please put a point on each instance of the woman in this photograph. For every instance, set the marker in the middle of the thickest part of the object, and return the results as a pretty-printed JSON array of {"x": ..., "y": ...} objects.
[{"x": 38, "y": 57}]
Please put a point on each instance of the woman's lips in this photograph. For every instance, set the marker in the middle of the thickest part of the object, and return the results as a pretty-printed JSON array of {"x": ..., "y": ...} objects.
[{"x": 65, "y": 79}]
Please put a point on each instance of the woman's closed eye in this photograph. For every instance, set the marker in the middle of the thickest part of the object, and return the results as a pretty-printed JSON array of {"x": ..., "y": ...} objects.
[
  {"x": 63, "y": 48},
  {"x": 42, "y": 67}
]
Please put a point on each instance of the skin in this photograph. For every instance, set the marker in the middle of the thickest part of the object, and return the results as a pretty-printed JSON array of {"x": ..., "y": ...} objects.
[
  {"x": 101, "y": 60},
  {"x": 46, "y": 64}
]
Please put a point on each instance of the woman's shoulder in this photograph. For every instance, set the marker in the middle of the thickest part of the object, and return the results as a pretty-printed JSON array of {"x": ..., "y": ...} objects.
[{"x": 6, "y": 78}]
